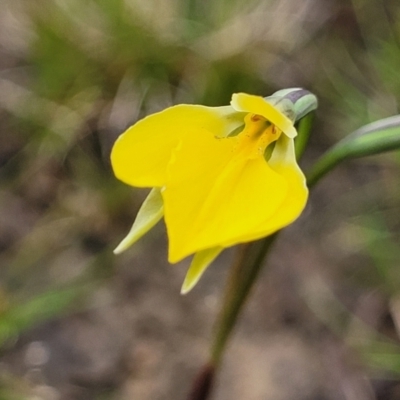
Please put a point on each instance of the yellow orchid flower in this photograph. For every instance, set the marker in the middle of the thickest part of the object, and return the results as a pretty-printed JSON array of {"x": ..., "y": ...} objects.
[{"x": 220, "y": 176}]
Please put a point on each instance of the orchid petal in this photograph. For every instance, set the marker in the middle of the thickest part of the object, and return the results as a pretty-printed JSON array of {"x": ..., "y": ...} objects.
[
  {"x": 151, "y": 211},
  {"x": 200, "y": 262},
  {"x": 283, "y": 161},
  {"x": 257, "y": 105},
  {"x": 220, "y": 198},
  {"x": 141, "y": 154}
]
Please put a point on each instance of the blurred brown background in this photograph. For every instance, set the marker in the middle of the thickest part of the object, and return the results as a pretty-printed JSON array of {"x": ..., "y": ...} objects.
[{"x": 77, "y": 322}]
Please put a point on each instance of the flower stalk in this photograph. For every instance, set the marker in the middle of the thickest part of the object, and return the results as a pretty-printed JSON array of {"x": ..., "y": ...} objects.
[
  {"x": 247, "y": 267},
  {"x": 244, "y": 274},
  {"x": 221, "y": 176},
  {"x": 374, "y": 138}
]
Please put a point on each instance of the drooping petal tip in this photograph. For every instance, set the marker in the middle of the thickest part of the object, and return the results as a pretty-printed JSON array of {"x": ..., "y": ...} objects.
[
  {"x": 151, "y": 211},
  {"x": 199, "y": 264}
]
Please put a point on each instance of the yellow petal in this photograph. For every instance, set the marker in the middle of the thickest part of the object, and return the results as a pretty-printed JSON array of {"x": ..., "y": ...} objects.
[
  {"x": 214, "y": 197},
  {"x": 283, "y": 161},
  {"x": 140, "y": 155},
  {"x": 150, "y": 213},
  {"x": 199, "y": 264},
  {"x": 257, "y": 105}
]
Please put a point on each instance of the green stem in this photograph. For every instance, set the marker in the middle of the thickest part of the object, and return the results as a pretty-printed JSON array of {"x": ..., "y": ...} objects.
[
  {"x": 375, "y": 138},
  {"x": 244, "y": 274},
  {"x": 325, "y": 164},
  {"x": 304, "y": 130}
]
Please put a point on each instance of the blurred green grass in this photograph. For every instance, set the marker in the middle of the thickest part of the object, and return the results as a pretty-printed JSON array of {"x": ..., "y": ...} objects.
[{"x": 74, "y": 74}]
